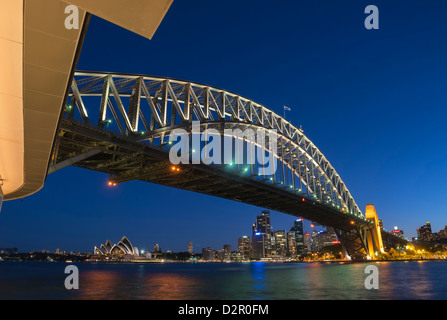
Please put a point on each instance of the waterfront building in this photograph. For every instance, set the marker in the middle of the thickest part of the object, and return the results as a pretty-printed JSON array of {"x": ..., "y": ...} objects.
[
  {"x": 257, "y": 241},
  {"x": 280, "y": 245},
  {"x": 220, "y": 254},
  {"x": 291, "y": 243},
  {"x": 397, "y": 232},
  {"x": 314, "y": 241},
  {"x": 227, "y": 252},
  {"x": 190, "y": 248},
  {"x": 424, "y": 233},
  {"x": 123, "y": 247},
  {"x": 208, "y": 254},
  {"x": 326, "y": 238},
  {"x": 244, "y": 247},
  {"x": 263, "y": 225},
  {"x": 237, "y": 256},
  {"x": 307, "y": 243},
  {"x": 299, "y": 236}
]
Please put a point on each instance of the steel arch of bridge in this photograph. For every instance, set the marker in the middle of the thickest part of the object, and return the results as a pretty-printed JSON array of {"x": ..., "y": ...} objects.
[{"x": 148, "y": 108}]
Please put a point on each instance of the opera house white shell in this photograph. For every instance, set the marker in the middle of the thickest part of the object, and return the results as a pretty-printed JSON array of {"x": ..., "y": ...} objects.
[{"x": 123, "y": 247}]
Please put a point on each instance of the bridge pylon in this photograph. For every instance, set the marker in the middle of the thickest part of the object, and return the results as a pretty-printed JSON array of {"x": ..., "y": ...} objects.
[
  {"x": 360, "y": 242},
  {"x": 373, "y": 234}
]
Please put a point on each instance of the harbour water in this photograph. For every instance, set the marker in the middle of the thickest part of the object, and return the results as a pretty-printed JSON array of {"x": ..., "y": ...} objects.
[{"x": 224, "y": 281}]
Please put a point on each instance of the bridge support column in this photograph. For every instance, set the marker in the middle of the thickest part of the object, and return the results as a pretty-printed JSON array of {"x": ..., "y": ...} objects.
[
  {"x": 374, "y": 235},
  {"x": 353, "y": 243}
]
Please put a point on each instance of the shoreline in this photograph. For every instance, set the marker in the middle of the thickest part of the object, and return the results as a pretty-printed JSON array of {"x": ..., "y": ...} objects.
[{"x": 223, "y": 262}]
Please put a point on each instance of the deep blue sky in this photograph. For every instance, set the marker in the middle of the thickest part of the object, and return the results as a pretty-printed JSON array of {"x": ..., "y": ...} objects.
[{"x": 373, "y": 101}]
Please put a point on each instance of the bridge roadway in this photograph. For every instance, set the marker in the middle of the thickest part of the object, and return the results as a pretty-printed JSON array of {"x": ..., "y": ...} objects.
[{"x": 125, "y": 159}]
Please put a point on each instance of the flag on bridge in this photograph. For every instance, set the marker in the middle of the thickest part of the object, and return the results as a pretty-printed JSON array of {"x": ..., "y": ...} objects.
[{"x": 286, "y": 108}]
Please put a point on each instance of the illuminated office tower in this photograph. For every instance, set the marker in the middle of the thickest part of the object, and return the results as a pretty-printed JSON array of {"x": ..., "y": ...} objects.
[
  {"x": 291, "y": 243},
  {"x": 280, "y": 243},
  {"x": 326, "y": 238},
  {"x": 190, "y": 248},
  {"x": 425, "y": 233},
  {"x": 299, "y": 236},
  {"x": 314, "y": 241},
  {"x": 257, "y": 241},
  {"x": 264, "y": 226},
  {"x": 244, "y": 247},
  {"x": 307, "y": 243}
]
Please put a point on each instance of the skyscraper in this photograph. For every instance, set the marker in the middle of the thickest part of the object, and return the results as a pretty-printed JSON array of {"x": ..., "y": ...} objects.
[
  {"x": 264, "y": 226},
  {"x": 314, "y": 241},
  {"x": 190, "y": 248},
  {"x": 257, "y": 241},
  {"x": 425, "y": 233},
  {"x": 280, "y": 243},
  {"x": 299, "y": 236},
  {"x": 291, "y": 243},
  {"x": 307, "y": 243},
  {"x": 244, "y": 247},
  {"x": 325, "y": 238}
]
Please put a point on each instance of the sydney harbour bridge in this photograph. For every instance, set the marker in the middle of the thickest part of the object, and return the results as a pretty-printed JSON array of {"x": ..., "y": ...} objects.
[{"x": 122, "y": 125}]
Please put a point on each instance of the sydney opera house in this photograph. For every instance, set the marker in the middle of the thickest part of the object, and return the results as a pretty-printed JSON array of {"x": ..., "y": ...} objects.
[{"x": 122, "y": 248}]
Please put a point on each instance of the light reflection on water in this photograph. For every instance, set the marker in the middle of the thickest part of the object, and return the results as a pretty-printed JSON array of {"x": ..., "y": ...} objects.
[{"x": 176, "y": 281}]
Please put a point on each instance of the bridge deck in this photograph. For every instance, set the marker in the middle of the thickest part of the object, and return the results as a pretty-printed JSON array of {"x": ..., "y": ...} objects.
[{"x": 126, "y": 159}]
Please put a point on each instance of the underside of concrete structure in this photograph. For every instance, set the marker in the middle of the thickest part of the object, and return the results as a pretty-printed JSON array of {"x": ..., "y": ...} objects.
[{"x": 38, "y": 57}]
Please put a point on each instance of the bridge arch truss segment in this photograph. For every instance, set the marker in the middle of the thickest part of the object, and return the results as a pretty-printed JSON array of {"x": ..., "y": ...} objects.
[{"x": 148, "y": 108}]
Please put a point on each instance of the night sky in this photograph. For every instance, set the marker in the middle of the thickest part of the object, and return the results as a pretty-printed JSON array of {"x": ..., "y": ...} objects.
[{"x": 373, "y": 101}]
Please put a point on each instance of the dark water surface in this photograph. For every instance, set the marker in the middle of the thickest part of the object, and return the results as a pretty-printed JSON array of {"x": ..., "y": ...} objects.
[{"x": 215, "y": 281}]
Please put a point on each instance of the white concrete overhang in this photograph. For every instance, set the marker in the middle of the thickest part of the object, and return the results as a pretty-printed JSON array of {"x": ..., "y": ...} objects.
[{"x": 38, "y": 56}]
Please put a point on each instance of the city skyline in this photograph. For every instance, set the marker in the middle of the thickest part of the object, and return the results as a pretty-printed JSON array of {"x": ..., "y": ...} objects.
[
  {"x": 307, "y": 229},
  {"x": 368, "y": 135}
]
